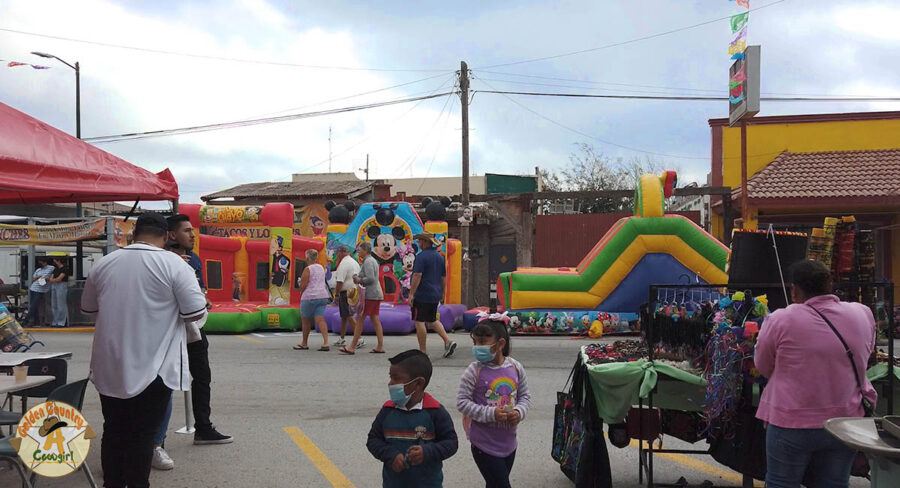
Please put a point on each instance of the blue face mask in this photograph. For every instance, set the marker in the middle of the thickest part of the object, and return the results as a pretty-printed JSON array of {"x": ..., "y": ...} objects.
[
  {"x": 483, "y": 354},
  {"x": 398, "y": 394}
]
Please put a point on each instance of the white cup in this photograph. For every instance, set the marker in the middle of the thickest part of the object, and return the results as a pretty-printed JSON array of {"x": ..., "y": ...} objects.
[{"x": 20, "y": 373}]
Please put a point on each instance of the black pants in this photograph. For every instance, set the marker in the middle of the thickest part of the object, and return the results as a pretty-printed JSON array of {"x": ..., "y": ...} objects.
[
  {"x": 129, "y": 426},
  {"x": 198, "y": 361},
  {"x": 494, "y": 470}
]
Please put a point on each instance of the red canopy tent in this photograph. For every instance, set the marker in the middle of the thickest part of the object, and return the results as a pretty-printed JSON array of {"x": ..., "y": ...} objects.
[{"x": 42, "y": 164}]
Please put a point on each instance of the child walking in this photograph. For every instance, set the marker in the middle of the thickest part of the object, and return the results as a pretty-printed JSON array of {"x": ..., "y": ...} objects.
[
  {"x": 412, "y": 434},
  {"x": 493, "y": 398}
]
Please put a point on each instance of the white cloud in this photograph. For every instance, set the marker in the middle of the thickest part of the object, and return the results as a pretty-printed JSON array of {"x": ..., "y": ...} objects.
[{"x": 877, "y": 20}]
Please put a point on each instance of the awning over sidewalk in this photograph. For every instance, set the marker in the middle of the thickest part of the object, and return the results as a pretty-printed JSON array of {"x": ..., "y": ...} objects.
[{"x": 42, "y": 164}]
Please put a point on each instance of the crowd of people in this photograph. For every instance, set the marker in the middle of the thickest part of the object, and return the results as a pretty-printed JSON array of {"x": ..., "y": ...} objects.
[{"x": 149, "y": 300}]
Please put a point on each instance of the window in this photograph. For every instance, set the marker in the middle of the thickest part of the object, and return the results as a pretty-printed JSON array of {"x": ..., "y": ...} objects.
[
  {"x": 262, "y": 276},
  {"x": 213, "y": 274},
  {"x": 299, "y": 266}
]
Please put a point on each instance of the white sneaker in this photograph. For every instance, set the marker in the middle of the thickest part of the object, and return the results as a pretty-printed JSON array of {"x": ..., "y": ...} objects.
[
  {"x": 341, "y": 342},
  {"x": 361, "y": 343},
  {"x": 161, "y": 459}
]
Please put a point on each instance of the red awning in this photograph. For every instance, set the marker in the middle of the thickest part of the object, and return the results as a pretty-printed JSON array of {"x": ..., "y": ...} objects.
[{"x": 42, "y": 164}]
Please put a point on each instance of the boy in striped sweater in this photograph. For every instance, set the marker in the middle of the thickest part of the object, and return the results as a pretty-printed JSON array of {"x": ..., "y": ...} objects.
[{"x": 412, "y": 434}]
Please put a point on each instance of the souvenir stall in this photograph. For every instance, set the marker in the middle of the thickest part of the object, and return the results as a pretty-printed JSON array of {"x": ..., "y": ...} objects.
[{"x": 692, "y": 376}]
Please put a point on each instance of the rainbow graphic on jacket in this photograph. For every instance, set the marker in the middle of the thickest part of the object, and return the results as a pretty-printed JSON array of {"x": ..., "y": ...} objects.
[{"x": 502, "y": 392}]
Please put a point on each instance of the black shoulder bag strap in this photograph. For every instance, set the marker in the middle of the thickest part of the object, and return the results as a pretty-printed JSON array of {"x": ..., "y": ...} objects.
[{"x": 867, "y": 405}]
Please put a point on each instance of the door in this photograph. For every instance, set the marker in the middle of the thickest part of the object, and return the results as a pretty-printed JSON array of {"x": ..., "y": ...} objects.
[{"x": 502, "y": 260}]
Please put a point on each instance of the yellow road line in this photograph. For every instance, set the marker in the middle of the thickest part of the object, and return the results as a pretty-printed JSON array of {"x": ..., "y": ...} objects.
[
  {"x": 249, "y": 339},
  {"x": 703, "y": 467},
  {"x": 318, "y": 458}
]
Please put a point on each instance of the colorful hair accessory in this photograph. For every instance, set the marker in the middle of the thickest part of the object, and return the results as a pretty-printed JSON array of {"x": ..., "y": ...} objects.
[{"x": 494, "y": 317}]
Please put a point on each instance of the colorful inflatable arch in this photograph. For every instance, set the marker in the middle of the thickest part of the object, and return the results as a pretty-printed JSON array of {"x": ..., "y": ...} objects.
[{"x": 649, "y": 248}]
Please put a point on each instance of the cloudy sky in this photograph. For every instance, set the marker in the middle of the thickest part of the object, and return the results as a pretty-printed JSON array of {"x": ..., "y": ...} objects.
[{"x": 314, "y": 55}]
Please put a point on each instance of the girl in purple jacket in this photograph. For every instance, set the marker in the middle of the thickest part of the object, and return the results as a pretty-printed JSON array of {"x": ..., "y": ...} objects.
[{"x": 493, "y": 398}]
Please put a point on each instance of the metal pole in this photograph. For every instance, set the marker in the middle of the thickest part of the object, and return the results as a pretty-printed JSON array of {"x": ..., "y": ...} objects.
[
  {"x": 79, "y": 211},
  {"x": 188, "y": 415},
  {"x": 30, "y": 262},
  {"x": 464, "y": 227},
  {"x": 745, "y": 206}
]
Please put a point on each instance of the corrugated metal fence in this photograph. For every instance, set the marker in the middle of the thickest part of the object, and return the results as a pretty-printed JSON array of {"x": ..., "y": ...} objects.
[{"x": 563, "y": 240}]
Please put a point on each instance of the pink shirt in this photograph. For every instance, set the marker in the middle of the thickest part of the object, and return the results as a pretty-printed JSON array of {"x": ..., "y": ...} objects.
[
  {"x": 315, "y": 287},
  {"x": 810, "y": 378}
]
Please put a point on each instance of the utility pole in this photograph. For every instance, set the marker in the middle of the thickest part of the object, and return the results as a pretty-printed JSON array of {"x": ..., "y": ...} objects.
[
  {"x": 366, "y": 170},
  {"x": 329, "y": 148},
  {"x": 464, "y": 226}
]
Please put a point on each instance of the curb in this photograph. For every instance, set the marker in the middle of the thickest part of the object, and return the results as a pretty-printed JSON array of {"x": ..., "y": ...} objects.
[{"x": 59, "y": 329}]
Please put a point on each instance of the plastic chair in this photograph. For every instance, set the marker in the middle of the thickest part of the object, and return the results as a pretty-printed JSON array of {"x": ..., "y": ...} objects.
[
  {"x": 8, "y": 454},
  {"x": 43, "y": 367},
  {"x": 73, "y": 394}
]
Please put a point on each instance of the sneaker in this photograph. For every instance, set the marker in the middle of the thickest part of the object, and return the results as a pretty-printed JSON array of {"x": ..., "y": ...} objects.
[
  {"x": 361, "y": 343},
  {"x": 161, "y": 460},
  {"x": 449, "y": 349},
  {"x": 341, "y": 342},
  {"x": 211, "y": 436}
]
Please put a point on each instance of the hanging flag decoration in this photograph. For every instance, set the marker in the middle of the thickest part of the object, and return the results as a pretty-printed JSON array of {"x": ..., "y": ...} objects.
[
  {"x": 13, "y": 64},
  {"x": 738, "y": 44},
  {"x": 739, "y": 21}
]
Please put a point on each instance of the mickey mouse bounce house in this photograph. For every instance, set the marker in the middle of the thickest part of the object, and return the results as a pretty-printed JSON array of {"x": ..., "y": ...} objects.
[{"x": 390, "y": 228}]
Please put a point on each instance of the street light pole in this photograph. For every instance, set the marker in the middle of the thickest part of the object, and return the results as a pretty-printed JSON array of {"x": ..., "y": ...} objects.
[{"x": 79, "y": 210}]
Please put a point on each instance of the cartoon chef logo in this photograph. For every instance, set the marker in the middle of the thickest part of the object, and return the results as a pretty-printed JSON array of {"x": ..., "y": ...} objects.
[{"x": 53, "y": 439}]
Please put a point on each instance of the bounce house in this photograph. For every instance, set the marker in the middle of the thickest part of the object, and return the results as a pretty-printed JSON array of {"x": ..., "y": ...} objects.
[
  {"x": 252, "y": 275},
  {"x": 252, "y": 283},
  {"x": 390, "y": 228},
  {"x": 611, "y": 283}
]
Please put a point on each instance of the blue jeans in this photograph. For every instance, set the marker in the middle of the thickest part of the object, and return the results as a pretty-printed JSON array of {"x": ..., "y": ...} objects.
[
  {"x": 160, "y": 438},
  {"x": 789, "y": 452},
  {"x": 58, "y": 295},
  {"x": 34, "y": 304}
]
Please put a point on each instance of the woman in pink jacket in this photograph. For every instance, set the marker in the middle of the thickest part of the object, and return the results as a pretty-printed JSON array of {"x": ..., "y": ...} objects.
[{"x": 811, "y": 378}]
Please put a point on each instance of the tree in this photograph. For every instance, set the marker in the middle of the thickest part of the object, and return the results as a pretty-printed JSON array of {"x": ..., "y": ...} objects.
[{"x": 591, "y": 170}]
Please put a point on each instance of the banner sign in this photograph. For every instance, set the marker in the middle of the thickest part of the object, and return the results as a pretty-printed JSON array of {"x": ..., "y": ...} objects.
[
  {"x": 230, "y": 215},
  {"x": 49, "y": 234}
]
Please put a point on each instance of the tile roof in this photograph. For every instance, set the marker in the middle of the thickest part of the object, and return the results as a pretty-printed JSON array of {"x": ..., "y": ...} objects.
[
  {"x": 833, "y": 174},
  {"x": 293, "y": 190}
]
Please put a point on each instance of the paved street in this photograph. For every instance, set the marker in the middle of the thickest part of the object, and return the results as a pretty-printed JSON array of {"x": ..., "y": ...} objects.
[{"x": 275, "y": 400}]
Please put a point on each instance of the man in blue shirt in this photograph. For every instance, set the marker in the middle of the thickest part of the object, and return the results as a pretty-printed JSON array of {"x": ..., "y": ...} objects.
[
  {"x": 426, "y": 291},
  {"x": 40, "y": 285}
]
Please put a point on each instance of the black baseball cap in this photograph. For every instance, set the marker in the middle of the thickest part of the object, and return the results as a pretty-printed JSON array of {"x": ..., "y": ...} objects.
[{"x": 151, "y": 219}]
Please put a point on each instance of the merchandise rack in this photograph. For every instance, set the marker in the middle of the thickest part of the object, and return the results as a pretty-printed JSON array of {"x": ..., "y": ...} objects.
[{"x": 645, "y": 455}]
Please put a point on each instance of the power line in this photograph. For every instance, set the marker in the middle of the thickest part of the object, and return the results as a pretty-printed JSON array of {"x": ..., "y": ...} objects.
[
  {"x": 699, "y": 90},
  {"x": 249, "y": 122},
  {"x": 437, "y": 147},
  {"x": 622, "y": 43},
  {"x": 583, "y": 134},
  {"x": 211, "y": 57},
  {"x": 374, "y": 133},
  {"x": 692, "y": 98},
  {"x": 324, "y": 102},
  {"x": 580, "y": 87},
  {"x": 408, "y": 162}
]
